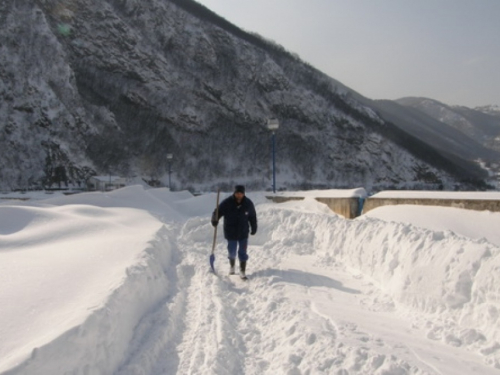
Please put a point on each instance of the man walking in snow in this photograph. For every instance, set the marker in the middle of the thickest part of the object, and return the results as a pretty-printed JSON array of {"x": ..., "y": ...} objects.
[{"x": 240, "y": 219}]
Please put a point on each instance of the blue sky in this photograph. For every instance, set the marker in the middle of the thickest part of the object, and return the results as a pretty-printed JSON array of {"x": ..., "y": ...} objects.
[{"x": 448, "y": 50}]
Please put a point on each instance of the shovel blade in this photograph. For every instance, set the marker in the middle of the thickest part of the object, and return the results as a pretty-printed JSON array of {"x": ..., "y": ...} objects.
[{"x": 212, "y": 261}]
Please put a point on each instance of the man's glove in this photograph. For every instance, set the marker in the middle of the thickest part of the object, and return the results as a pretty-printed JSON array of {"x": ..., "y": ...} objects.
[
  {"x": 253, "y": 232},
  {"x": 214, "y": 219}
]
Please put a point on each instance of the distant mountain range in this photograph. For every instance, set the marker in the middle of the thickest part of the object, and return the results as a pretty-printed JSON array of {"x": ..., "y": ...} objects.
[
  {"x": 481, "y": 124},
  {"x": 113, "y": 86}
]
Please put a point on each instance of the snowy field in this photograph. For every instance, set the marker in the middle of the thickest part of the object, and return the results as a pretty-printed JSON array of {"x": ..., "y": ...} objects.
[{"x": 119, "y": 283}]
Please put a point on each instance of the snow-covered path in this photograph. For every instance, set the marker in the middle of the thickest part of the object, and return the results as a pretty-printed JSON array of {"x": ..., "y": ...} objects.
[{"x": 326, "y": 296}]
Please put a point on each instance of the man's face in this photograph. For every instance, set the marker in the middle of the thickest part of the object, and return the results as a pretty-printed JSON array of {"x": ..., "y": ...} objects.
[{"x": 239, "y": 196}]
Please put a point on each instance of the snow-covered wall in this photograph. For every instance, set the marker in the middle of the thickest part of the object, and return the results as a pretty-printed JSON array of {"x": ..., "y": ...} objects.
[{"x": 479, "y": 201}]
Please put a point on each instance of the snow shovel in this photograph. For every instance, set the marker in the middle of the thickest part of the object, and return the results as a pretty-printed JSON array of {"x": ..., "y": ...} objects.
[{"x": 212, "y": 256}]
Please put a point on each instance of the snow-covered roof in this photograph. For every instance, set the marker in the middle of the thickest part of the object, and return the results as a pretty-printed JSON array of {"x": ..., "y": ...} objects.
[
  {"x": 415, "y": 194},
  {"x": 330, "y": 193}
]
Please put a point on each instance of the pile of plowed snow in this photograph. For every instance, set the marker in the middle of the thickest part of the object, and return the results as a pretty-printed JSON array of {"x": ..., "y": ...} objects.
[{"x": 106, "y": 282}]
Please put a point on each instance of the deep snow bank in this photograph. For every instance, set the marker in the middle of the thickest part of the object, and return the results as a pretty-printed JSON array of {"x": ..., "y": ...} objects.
[
  {"x": 76, "y": 280},
  {"x": 451, "y": 279}
]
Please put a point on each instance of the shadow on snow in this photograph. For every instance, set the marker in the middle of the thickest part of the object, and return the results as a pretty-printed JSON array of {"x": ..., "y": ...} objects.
[{"x": 306, "y": 279}]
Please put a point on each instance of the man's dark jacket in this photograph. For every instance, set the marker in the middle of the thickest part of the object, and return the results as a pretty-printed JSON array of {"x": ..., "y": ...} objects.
[{"x": 239, "y": 219}]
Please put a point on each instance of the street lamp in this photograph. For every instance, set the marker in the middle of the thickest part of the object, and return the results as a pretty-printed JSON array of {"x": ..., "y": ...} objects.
[
  {"x": 169, "y": 158},
  {"x": 273, "y": 125}
]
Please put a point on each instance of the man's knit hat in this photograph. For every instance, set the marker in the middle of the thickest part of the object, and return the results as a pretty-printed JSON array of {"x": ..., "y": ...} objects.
[{"x": 239, "y": 189}]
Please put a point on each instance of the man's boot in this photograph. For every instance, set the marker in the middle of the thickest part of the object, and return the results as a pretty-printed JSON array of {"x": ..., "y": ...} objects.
[
  {"x": 231, "y": 266},
  {"x": 243, "y": 266}
]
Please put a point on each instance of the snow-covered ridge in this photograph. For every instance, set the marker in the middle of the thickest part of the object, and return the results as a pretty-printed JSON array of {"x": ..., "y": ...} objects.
[
  {"x": 489, "y": 109},
  {"x": 127, "y": 290}
]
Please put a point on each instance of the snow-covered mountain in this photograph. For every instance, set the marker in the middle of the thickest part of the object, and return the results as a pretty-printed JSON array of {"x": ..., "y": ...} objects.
[
  {"x": 112, "y": 86},
  {"x": 493, "y": 110}
]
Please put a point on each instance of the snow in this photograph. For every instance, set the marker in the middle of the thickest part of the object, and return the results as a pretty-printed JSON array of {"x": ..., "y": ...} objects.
[
  {"x": 119, "y": 283},
  {"x": 417, "y": 194},
  {"x": 468, "y": 223},
  {"x": 330, "y": 193}
]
